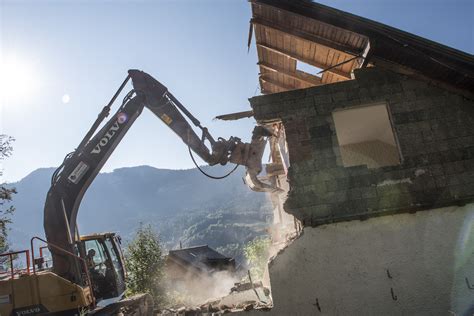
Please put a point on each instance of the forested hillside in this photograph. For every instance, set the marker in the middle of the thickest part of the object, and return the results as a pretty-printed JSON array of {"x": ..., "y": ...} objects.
[{"x": 182, "y": 205}]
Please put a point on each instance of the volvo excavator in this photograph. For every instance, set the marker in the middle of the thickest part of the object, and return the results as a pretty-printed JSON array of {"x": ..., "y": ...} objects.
[{"x": 86, "y": 275}]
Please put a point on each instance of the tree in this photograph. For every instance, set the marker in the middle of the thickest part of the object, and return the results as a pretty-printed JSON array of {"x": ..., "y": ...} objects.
[
  {"x": 145, "y": 264},
  {"x": 6, "y": 195},
  {"x": 257, "y": 253}
]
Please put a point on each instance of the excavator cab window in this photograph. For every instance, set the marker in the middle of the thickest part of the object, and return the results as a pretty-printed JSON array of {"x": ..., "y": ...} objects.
[
  {"x": 105, "y": 266},
  {"x": 117, "y": 263},
  {"x": 96, "y": 256}
]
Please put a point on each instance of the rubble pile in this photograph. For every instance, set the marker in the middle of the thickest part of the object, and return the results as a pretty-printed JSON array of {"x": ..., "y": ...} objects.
[{"x": 243, "y": 297}]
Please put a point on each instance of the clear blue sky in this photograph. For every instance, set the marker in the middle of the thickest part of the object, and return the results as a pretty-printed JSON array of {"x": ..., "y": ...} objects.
[{"x": 76, "y": 54}]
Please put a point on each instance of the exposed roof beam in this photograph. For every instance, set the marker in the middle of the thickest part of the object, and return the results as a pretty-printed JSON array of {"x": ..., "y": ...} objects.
[
  {"x": 263, "y": 90},
  {"x": 305, "y": 60},
  {"x": 297, "y": 75},
  {"x": 276, "y": 83},
  {"x": 350, "y": 51},
  {"x": 266, "y": 91},
  {"x": 356, "y": 59},
  {"x": 365, "y": 54},
  {"x": 234, "y": 116}
]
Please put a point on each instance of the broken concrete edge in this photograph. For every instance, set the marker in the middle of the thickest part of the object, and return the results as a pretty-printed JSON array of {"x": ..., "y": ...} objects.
[{"x": 288, "y": 242}]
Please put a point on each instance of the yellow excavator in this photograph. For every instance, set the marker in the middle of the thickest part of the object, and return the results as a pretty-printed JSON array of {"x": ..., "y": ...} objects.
[{"x": 86, "y": 274}]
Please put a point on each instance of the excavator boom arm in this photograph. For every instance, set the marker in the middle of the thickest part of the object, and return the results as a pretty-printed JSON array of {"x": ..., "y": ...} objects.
[
  {"x": 79, "y": 168},
  {"x": 163, "y": 104}
]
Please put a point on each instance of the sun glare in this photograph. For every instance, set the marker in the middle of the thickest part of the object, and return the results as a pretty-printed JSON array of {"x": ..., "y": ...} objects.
[
  {"x": 17, "y": 78},
  {"x": 66, "y": 98}
]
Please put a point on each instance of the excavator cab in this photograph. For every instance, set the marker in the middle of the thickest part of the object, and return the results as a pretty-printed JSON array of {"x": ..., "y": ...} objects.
[{"x": 105, "y": 263}]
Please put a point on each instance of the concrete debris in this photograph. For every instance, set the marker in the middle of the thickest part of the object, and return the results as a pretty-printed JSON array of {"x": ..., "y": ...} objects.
[
  {"x": 241, "y": 298},
  {"x": 240, "y": 287}
]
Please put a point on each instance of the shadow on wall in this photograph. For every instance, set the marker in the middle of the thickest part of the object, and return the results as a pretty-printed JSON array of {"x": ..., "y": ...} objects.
[{"x": 374, "y": 154}]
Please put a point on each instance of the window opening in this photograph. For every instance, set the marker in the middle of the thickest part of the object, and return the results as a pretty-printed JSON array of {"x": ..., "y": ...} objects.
[{"x": 366, "y": 137}]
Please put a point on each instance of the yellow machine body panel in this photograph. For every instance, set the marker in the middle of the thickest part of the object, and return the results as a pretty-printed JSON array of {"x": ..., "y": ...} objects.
[{"x": 41, "y": 292}]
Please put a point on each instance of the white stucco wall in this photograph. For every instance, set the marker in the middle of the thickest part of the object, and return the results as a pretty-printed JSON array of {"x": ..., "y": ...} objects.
[{"x": 344, "y": 266}]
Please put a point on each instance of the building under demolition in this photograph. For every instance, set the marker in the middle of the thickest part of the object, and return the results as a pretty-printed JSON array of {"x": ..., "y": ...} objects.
[
  {"x": 375, "y": 155},
  {"x": 196, "y": 263}
]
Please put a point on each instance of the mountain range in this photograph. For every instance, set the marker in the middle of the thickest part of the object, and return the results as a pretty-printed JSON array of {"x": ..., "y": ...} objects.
[{"x": 182, "y": 206}]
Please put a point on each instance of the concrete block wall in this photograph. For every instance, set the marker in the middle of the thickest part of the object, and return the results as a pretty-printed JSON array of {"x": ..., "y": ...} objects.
[{"x": 434, "y": 128}]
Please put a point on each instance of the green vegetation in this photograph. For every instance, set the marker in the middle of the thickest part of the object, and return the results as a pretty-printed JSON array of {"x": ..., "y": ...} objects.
[
  {"x": 145, "y": 264},
  {"x": 6, "y": 195},
  {"x": 227, "y": 229},
  {"x": 257, "y": 253}
]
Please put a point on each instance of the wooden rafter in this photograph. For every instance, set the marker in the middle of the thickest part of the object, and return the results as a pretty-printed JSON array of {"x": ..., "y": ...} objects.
[
  {"x": 347, "y": 50},
  {"x": 297, "y": 75},
  {"x": 305, "y": 60},
  {"x": 278, "y": 84},
  {"x": 263, "y": 90}
]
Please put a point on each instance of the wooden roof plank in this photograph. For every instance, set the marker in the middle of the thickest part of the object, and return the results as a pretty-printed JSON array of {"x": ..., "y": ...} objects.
[
  {"x": 308, "y": 61},
  {"x": 275, "y": 83},
  {"x": 394, "y": 46},
  {"x": 306, "y": 36},
  {"x": 297, "y": 75}
]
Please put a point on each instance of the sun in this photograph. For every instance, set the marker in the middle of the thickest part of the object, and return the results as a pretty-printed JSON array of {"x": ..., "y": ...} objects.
[
  {"x": 17, "y": 78},
  {"x": 66, "y": 98}
]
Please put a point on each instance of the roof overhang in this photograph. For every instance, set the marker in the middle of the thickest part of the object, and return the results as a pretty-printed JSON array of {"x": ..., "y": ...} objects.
[{"x": 288, "y": 32}]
